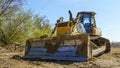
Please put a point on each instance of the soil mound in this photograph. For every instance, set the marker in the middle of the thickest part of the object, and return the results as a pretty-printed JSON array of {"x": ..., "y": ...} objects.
[{"x": 15, "y": 47}]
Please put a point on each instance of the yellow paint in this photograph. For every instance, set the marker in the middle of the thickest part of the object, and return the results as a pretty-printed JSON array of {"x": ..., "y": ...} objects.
[
  {"x": 63, "y": 30},
  {"x": 96, "y": 31}
]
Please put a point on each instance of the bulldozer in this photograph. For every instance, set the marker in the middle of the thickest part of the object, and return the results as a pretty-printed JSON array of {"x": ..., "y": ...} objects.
[{"x": 78, "y": 39}]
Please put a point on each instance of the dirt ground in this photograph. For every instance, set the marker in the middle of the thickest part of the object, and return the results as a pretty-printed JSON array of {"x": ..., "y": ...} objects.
[{"x": 8, "y": 59}]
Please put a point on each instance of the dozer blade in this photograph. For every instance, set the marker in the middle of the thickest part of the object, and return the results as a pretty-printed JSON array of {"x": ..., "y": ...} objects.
[{"x": 67, "y": 48}]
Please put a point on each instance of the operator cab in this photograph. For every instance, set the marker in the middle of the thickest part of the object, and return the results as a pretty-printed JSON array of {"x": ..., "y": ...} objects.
[{"x": 87, "y": 19}]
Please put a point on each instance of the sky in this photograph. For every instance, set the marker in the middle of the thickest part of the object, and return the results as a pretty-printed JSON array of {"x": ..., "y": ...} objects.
[{"x": 107, "y": 13}]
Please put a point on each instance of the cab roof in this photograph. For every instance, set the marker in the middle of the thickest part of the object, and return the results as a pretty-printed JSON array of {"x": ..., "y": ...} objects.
[{"x": 89, "y": 12}]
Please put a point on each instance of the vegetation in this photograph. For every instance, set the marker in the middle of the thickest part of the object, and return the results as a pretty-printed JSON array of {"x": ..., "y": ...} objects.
[
  {"x": 114, "y": 44},
  {"x": 17, "y": 24}
]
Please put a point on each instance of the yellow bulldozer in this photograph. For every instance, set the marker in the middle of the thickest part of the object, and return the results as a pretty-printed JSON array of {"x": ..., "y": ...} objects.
[{"x": 78, "y": 39}]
